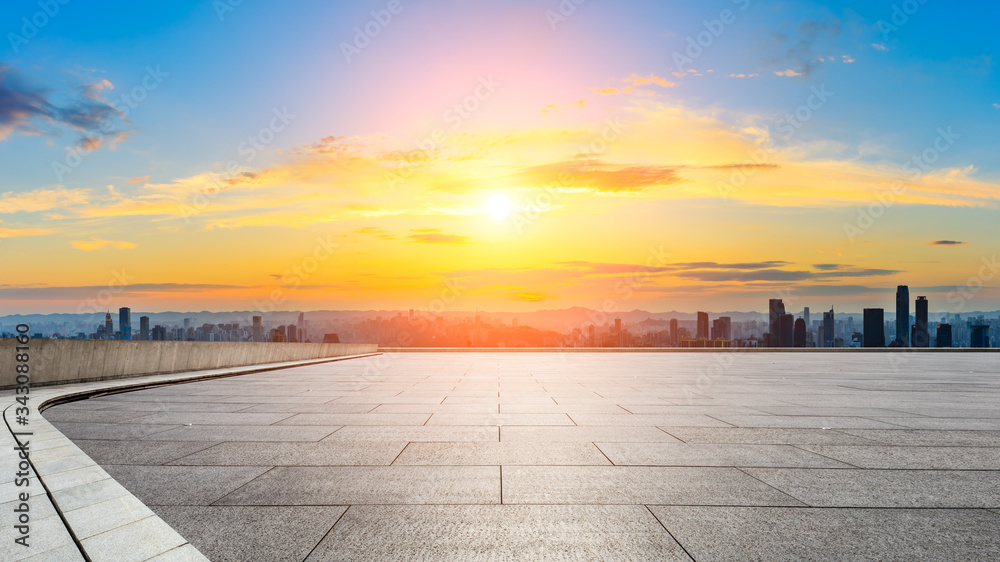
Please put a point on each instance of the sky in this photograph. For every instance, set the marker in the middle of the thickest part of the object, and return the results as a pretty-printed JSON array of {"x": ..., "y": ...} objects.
[{"x": 502, "y": 156}]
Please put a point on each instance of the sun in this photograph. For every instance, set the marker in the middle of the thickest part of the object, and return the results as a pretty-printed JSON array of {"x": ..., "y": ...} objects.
[{"x": 499, "y": 207}]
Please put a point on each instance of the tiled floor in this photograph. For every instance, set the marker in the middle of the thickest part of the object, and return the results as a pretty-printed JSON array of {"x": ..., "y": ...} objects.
[{"x": 513, "y": 456}]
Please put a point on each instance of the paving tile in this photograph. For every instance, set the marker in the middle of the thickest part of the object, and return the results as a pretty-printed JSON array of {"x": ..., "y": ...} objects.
[
  {"x": 503, "y": 453},
  {"x": 217, "y": 433},
  {"x": 944, "y": 423},
  {"x": 45, "y": 534},
  {"x": 182, "y": 485},
  {"x": 415, "y": 433},
  {"x": 355, "y": 419},
  {"x": 105, "y": 516},
  {"x": 183, "y": 553},
  {"x": 90, "y": 416},
  {"x": 769, "y": 533},
  {"x": 328, "y": 453},
  {"x": 64, "y": 553},
  {"x": 239, "y": 534},
  {"x": 885, "y": 488},
  {"x": 686, "y": 454},
  {"x": 767, "y": 436},
  {"x": 214, "y": 418},
  {"x": 327, "y": 408},
  {"x": 809, "y": 422},
  {"x": 87, "y": 494},
  {"x": 586, "y": 434},
  {"x": 75, "y": 430},
  {"x": 370, "y": 485},
  {"x": 105, "y": 451},
  {"x": 633, "y": 420},
  {"x": 134, "y": 542},
  {"x": 937, "y": 458},
  {"x": 498, "y": 533},
  {"x": 636, "y": 485},
  {"x": 500, "y": 419}
]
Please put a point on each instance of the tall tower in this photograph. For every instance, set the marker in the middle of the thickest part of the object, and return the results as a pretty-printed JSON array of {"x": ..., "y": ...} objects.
[
  {"x": 776, "y": 307},
  {"x": 109, "y": 327},
  {"x": 921, "y": 336},
  {"x": 125, "y": 322},
  {"x": 702, "y": 326},
  {"x": 828, "y": 329},
  {"x": 874, "y": 326},
  {"x": 144, "y": 328},
  {"x": 805, "y": 317},
  {"x": 675, "y": 336},
  {"x": 258, "y": 329},
  {"x": 903, "y": 315}
]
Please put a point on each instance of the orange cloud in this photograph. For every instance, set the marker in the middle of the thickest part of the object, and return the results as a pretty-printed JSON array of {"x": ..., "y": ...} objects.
[
  {"x": 98, "y": 244},
  {"x": 788, "y": 73},
  {"x": 138, "y": 180}
]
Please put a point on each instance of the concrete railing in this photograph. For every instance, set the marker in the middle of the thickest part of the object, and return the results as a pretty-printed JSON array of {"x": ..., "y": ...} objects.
[{"x": 74, "y": 361}]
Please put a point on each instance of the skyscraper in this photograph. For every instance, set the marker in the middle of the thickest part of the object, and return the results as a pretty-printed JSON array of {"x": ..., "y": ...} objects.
[
  {"x": 109, "y": 327},
  {"x": 943, "y": 336},
  {"x": 799, "y": 333},
  {"x": 786, "y": 331},
  {"x": 702, "y": 326},
  {"x": 828, "y": 329},
  {"x": 144, "y": 328},
  {"x": 258, "y": 329},
  {"x": 903, "y": 315},
  {"x": 125, "y": 322},
  {"x": 874, "y": 327},
  {"x": 675, "y": 336},
  {"x": 302, "y": 325},
  {"x": 921, "y": 337},
  {"x": 980, "y": 336},
  {"x": 805, "y": 317},
  {"x": 775, "y": 309}
]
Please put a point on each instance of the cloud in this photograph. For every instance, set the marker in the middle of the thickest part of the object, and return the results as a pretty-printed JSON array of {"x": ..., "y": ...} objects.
[
  {"x": 880, "y": 47},
  {"x": 29, "y": 110},
  {"x": 946, "y": 243},
  {"x": 138, "y": 180},
  {"x": 99, "y": 244},
  {"x": 601, "y": 176},
  {"x": 847, "y": 59},
  {"x": 806, "y": 48},
  {"x": 42, "y": 200},
  {"x": 18, "y": 232},
  {"x": 996, "y": 105},
  {"x": 741, "y": 75},
  {"x": 637, "y": 80},
  {"x": 435, "y": 236},
  {"x": 788, "y": 73}
]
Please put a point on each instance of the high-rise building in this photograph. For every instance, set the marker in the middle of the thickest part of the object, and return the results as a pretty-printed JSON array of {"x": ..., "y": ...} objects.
[
  {"x": 702, "y": 326},
  {"x": 874, "y": 335},
  {"x": 301, "y": 325},
  {"x": 675, "y": 336},
  {"x": 292, "y": 332},
  {"x": 258, "y": 329},
  {"x": 144, "y": 328},
  {"x": 109, "y": 327},
  {"x": 980, "y": 336},
  {"x": 722, "y": 328},
  {"x": 125, "y": 322},
  {"x": 943, "y": 336},
  {"x": 592, "y": 335},
  {"x": 829, "y": 335},
  {"x": 921, "y": 337},
  {"x": 775, "y": 309},
  {"x": 786, "y": 331},
  {"x": 805, "y": 317},
  {"x": 903, "y": 315},
  {"x": 799, "y": 338}
]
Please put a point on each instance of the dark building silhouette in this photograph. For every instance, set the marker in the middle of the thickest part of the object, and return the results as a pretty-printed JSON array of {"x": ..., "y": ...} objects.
[
  {"x": 109, "y": 327},
  {"x": 805, "y": 317},
  {"x": 125, "y": 322},
  {"x": 786, "y": 330},
  {"x": 775, "y": 309},
  {"x": 144, "y": 328},
  {"x": 799, "y": 332},
  {"x": 903, "y": 315},
  {"x": 258, "y": 329},
  {"x": 828, "y": 329},
  {"x": 943, "y": 336},
  {"x": 921, "y": 336},
  {"x": 702, "y": 326},
  {"x": 980, "y": 336},
  {"x": 675, "y": 336},
  {"x": 874, "y": 334},
  {"x": 722, "y": 328}
]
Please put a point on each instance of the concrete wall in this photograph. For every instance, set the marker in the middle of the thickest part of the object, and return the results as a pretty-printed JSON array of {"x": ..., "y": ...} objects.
[{"x": 66, "y": 361}]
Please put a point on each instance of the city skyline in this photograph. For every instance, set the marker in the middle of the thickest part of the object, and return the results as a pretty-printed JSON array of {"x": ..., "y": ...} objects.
[{"x": 695, "y": 156}]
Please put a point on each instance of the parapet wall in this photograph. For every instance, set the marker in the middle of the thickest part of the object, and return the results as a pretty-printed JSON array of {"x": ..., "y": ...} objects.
[{"x": 72, "y": 361}]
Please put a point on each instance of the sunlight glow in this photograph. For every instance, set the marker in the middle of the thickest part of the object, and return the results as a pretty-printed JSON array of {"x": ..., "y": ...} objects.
[{"x": 499, "y": 207}]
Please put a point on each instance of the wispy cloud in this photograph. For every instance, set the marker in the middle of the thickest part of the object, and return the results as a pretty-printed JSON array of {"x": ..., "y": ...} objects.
[
  {"x": 435, "y": 236},
  {"x": 99, "y": 244},
  {"x": 138, "y": 180},
  {"x": 947, "y": 243}
]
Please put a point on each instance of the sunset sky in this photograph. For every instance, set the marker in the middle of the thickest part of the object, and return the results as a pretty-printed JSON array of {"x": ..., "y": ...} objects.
[{"x": 201, "y": 156}]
